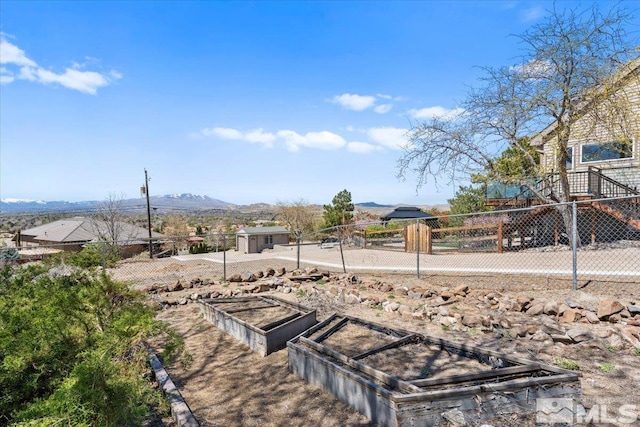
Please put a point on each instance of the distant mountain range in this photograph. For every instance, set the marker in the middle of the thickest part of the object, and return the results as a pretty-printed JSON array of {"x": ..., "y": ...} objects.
[
  {"x": 373, "y": 205},
  {"x": 185, "y": 201},
  {"x": 160, "y": 204}
]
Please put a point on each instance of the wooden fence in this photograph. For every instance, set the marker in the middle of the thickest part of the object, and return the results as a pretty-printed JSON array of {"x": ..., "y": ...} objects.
[{"x": 421, "y": 237}]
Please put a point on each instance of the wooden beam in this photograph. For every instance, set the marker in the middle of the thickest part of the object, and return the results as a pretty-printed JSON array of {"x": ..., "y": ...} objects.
[
  {"x": 386, "y": 379},
  {"x": 221, "y": 301},
  {"x": 386, "y": 346},
  {"x": 512, "y": 370},
  {"x": 279, "y": 322},
  {"x": 507, "y": 386},
  {"x": 237, "y": 310},
  {"x": 335, "y": 328},
  {"x": 468, "y": 228},
  {"x": 380, "y": 328},
  {"x": 319, "y": 326}
]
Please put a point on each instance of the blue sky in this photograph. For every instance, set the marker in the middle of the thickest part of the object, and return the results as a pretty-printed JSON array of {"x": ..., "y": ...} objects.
[{"x": 242, "y": 101}]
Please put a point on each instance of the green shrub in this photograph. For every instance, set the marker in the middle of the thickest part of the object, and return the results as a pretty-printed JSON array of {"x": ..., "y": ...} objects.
[
  {"x": 9, "y": 254},
  {"x": 606, "y": 367},
  {"x": 567, "y": 363},
  {"x": 92, "y": 255},
  {"x": 200, "y": 248},
  {"x": 72, "y": 349}
]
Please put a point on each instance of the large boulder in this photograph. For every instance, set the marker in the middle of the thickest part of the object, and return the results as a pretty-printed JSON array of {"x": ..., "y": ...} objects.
[
  {"x": 471, "y": 320},
  {"x": 247, "y": 276},
  {"x": 535, "y": 309},
  {"x": 608, "y": 307},
  {"x": 579, "y": 335},
  {"x": 174, "y": 287},
  {"x": 571, "y": 315},
  {"x": 550, "y": 326},
  {"x": 591, "y": 317},
  {"x": 551, "y": 308}
]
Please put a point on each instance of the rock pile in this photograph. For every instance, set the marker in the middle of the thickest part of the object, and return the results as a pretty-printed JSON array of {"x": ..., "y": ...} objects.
[{"x": 456, "y": 308}]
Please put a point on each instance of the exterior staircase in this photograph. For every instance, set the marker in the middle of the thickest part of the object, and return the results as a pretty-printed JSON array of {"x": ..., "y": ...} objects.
[
  {"x": 628, "y": 213},
  {"x": 591, "y": 188}
]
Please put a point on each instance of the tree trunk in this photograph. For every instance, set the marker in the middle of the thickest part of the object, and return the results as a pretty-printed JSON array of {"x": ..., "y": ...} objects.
[
  {"x": 565, "y": 209},
  {"x": 566, "y": 212}
]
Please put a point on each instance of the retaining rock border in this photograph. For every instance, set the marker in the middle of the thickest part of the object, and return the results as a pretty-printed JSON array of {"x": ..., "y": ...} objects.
[{"x": 179, "y": 408}]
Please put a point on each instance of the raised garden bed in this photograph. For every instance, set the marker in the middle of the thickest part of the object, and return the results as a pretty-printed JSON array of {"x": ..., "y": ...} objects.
[
  {"x": 264, "y": 323},
  {"x": 400, "y": 378}
]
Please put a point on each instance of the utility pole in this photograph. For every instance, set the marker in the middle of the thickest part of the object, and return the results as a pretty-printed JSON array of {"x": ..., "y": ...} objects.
[{"x": 146, "y": 190}]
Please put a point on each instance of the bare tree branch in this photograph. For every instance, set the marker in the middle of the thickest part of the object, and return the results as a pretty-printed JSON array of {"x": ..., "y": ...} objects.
[{"x": 567, "y": 74}]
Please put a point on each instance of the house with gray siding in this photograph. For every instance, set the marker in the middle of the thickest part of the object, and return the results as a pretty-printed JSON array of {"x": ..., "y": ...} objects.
[{"x": 604, "y": 140}]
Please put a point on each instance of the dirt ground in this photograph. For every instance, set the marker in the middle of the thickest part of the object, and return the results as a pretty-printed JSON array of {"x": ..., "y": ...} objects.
[{"x": 228, "y": 385}]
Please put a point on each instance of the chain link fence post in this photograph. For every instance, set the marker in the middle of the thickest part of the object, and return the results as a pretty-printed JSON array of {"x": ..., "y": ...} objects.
[
  {"x": 344, "y": 267},
  {"x": 224, "y": 257},
  {"x": 574, "y": 245},
  {"x": 298, "y": 250},
  {"x": 418, "y": 248},
  {"x": 103, "y": 252}
]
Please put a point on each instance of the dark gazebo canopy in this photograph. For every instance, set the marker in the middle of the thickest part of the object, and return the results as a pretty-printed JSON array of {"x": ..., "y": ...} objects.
[{"x": 406, "y": 212}]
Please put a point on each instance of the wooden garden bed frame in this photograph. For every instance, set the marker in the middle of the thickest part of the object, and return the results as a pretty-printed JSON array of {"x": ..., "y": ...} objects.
[
  {"x": 510, "y": 384},
  {"x": 262, "y": 338}
]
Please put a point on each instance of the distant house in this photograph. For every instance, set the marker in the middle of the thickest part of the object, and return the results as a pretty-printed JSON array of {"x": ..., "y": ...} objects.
[
  {"x": 251, "y": 240},
  {"x": 410, "y": 212},
  {"x": 71, "y": 234},
  {"x": 194, "y": 241}
]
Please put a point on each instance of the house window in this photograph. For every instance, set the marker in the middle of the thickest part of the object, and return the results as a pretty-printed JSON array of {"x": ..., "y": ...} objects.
[
  {"x": 268, "y": 240},
  {"x": 606, "y": 151},
  {"x": 569, "y": 161}
]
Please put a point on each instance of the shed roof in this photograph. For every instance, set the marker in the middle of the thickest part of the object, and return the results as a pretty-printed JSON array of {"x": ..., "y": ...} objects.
[
  {"x": 263, "y": 230},
  {"x": 406, "y": 212}
]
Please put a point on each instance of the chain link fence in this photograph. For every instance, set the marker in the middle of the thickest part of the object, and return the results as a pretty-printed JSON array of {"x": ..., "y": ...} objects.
[
  {"x": 594, "y": 240},
  {"x": 579, "y": 242}
]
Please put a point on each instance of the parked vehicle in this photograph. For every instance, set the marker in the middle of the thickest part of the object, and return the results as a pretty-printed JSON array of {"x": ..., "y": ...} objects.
[{"x": 329, "y": 242}]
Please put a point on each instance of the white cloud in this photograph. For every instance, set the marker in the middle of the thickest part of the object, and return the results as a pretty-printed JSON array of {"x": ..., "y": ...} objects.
[
  {"x": 224, "y": 133},
  {"x": 258, "y": 136},
  {"x": 383, "y": 108},
  {"x": 354, "y": 102},
  {"x": 323, "y": 140},
  {"x": 380, "y": 138},
  {"x": 82, "y": 81},
  {"x": 389, "y": 137},
  {"x": 72, "y": 78},
  {"x": 435, "y": 112},
  {"x": 6, "y": 76},
  {"x": 12, "y": 54},
  {"x": 533, "y": 69},
  {"x": 364, "y": 102},
  {"x": 362, "y": 147},
  {"x": 532, "y": 13}
]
